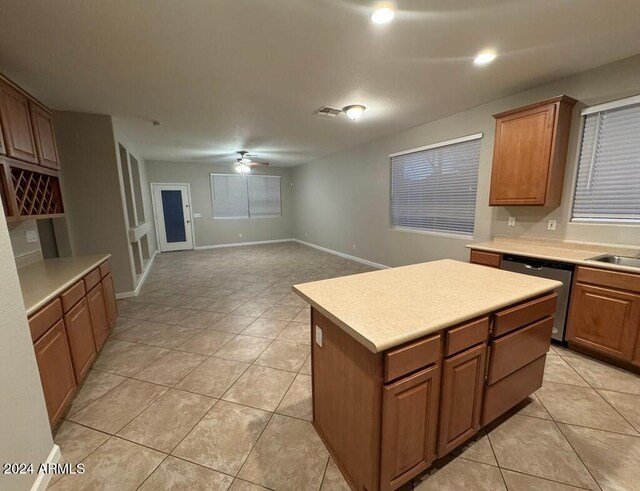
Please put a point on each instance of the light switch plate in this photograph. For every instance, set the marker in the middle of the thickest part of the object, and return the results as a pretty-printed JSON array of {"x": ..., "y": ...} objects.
[
  {"x": 512, "y": 221},
  {"x": 319, "y": 336},
  {"x": 32, "y": 236}
]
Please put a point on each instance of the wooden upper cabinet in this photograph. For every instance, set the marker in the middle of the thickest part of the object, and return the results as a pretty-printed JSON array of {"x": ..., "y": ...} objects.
[
  {"x": 16, "y": 125},
  {"x": 409, "y": 427},
  {"x": 42, "y": 122},
  {"x": 529, "y": 154}
]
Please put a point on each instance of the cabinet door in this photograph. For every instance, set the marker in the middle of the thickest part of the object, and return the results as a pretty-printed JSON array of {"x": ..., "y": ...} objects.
[
  {"x": 81, "y": 342},
  {"x": 604, "y": 320},
  {"x": 45, "y": 140},
  {"x": 98, "y": 313},
  {"x": 522, "y": 157},
  {"x": 110, "y": 299},
  {"x": 56, "y": 370},
  {"x": 462, "y": 388},
  {"x": 16, "y": 125},
  {"x": 409, "y": 426}
]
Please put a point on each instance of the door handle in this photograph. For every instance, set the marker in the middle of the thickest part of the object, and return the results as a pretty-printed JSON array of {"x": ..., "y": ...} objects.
[{"x": 188, "y": 221}]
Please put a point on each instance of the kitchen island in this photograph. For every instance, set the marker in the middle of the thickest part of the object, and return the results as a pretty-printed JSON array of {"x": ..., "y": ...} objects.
[{"x": 409, "y": 363}]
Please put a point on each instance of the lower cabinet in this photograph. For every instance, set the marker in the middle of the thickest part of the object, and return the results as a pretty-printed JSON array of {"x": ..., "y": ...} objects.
[
  {"x": 461, "y": 399},
  {"x": 56, "y": 370},
  {"x": 98, "y": 313},
  {"x": 109, "y": 299},
  {"x": 409, "y": 426},
  {"x": 81, "y": 342}
]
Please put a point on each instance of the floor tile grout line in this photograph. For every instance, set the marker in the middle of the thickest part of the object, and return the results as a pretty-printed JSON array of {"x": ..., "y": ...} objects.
[
  {"x": 542, "y": 478},
  {"x": 616, "y": 409}
]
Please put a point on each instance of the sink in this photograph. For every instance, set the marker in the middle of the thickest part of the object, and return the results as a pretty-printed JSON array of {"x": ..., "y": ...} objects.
[{"x": 620, "y": 260}]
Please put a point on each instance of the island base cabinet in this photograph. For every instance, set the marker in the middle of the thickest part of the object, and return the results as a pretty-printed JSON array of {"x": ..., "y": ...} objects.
[
  {"x": 56, "y": 371},
  {"x": 98, "y": 312},
  {"x": 409, "y": 427},
  {"x": 461, "y": 400},
  {"x": 81, "y": 342}
]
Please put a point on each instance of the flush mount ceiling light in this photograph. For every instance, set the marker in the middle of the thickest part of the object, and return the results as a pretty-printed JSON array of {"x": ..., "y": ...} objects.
[
  {"x": 485, "y": 57},
  {"x": 382, "y": 15},
  {"x": 354, "y": 111}
]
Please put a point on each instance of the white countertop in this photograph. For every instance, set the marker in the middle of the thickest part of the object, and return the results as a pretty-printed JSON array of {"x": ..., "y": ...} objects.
[
  {"x": 43, "y": 281},
  {"x": 559, "y": 250},
  {"x": 386, "y": 308}
]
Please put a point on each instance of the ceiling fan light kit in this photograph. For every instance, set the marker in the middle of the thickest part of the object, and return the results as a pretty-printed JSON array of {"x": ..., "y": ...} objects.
[{"x": 244, "y": 164}]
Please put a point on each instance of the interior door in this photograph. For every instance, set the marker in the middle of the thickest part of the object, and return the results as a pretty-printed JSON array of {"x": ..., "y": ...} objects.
[{"x": 173, "y": 216}]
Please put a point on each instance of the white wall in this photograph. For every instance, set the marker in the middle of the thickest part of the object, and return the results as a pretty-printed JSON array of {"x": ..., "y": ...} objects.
[
  {"x": 343, "y": 199},
  {"x": 216, "y": 232},
  {"x": 24, "y": 427},
  {"x": 17, "y": 234}
]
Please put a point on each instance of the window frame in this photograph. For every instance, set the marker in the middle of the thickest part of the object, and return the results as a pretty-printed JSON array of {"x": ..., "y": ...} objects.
[{"x": 246, "y": 177}]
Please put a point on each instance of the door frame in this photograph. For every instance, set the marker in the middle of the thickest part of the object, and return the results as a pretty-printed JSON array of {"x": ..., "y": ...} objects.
[{"x": 155, "y": 212}]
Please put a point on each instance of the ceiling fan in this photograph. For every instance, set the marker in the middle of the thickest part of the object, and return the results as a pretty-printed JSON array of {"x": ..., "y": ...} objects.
[{"x": 244, "y": 163}]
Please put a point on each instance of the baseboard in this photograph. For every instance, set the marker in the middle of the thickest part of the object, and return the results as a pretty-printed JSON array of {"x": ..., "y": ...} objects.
[
  {"x": 42, "y": 481},
  {"x": 342, "y": 254},
  {"x": 141, "y": 281},
  {"x": 239, "y": 244}
]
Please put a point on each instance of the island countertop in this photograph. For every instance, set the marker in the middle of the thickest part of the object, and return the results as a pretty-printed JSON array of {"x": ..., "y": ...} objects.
[
  {"x": 44, "y": 280},
  {"x": 386, "y": 308}
]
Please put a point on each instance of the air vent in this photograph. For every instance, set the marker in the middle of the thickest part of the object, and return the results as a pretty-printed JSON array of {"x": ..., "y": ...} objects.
[{"x": 326, "y": 111}]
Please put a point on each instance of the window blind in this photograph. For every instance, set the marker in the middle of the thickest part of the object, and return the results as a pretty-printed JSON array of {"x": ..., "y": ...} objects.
[
  {"x": 230, "y": 196},
  {"x": 608, "y": 182},
  {"x": 264, "y": 196},
  {"x": 434, "y": 188}
]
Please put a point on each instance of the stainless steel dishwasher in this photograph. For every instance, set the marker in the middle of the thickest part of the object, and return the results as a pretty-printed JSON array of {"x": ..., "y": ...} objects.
[{"x": 552, "y": 270}]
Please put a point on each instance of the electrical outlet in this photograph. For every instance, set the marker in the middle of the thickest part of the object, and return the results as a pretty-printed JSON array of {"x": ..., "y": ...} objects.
[
  {"x": 306, "y": 235},
  {"x": 319, "y": 336},
  {"x": 354, "y": 247},
  {"x": 551, "y": 225},
  {"x": 31, "y": 235},
  {"x": 512, "y": 221},
  {"x": 240, "y": 235},
  {"x": 197, "y": 215}
]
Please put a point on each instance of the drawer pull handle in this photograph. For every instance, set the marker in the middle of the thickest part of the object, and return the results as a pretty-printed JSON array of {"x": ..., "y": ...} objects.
[{"x": 528, "y": 266}]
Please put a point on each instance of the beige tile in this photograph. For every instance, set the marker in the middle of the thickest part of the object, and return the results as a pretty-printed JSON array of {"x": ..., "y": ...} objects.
[
  {"x": 142, "y": 331},
  {"x": 171, "y": 368},
  {"x": 478, "y": 450},
  {"x": 613, "y": 459},
  {"x": 531, "y": 406},
  {"x": 132, "y": 361},
  {"x": 179, "y": 475},
  {"x": 604, "y": 376},
  {"x": 268, "y": 298},
  {"x": 304, "y": 316},
  {"x": 200, "y": 303},
  {"x": 147, "y": 310},
  {"x": 285, "y": 356},
  {"x": 461, "y": 474},
  {"x": 535, "y": 446},
  {"x": 224, "y": 306},
  {"x": 172, "y": 337},
  {"x": 202, "y": 319},
  {"x": 240, "y": 485},
  {"x": 282, "y": 312},
  {"x": 243, "y": 348},
  {"x": 119, "y": 406},
  {"x": 265, "y": 328},
  {"x": 292, "y": 300},
  {"x": 76, "y": 442},
  {"x": 214, "y": 377},
  {"x": 582, "y": 406},
  {"x": 174, "y": 316},
  {"x": 207, "y": 342},
  {"x": 252, "y": 308},
  {"x": 333, "y": 479},
  {"x": 260, "y": 387},
  {"x": 628, "y": 405},
  {"x": 232, "y": 323},
  {"x": 306, "y": 367},
  {"x": 225, "y": 436},
  {"x": 95, "y": 385},
  {"x": 297, "y": 401},
  {"x": 117, "y": 465},
  {"x": 558, "y": 371},
  {"x": 522, "y": 482},
  {"x": 288, "y": 456},
  {"x": 168, "y": 420},
  {"x": 122, "y": 324},
  {"x": 296, "y": 332}
]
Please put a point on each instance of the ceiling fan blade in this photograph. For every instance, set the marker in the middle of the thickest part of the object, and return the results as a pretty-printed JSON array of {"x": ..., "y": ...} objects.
[{"x": 258, "y": 163}]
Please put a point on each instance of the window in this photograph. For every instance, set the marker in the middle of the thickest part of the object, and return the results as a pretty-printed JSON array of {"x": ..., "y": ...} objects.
[
  {"x": 434, "y": 188},
  {"x": 608, "y": 183},
  {"x": 237, "y": 196}
]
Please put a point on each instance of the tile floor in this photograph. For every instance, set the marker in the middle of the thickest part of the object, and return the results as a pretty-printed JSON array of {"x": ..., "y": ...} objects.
[{"x": 205, "y": 384}]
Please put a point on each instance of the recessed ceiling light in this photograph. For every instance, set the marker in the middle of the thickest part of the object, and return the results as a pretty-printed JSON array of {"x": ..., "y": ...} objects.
[
  {"x": 354, "y": 111},
  {"x": 382, "y": 15},
  {"x": 485, "y": 57}
]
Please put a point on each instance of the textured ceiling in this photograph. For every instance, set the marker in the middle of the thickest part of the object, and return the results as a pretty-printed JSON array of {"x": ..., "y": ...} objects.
[{"x": 226, "y": 75}]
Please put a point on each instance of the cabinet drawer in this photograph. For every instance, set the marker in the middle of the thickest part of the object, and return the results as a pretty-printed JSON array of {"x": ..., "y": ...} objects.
[
  {"x": 44, "y": 319},
  {"x": 502, "y": 396},
  {"x": 613, "y": 279},
  {"x": 92, "y": 279},
  {"x": 465, "y": 336},
  {"x": 105, "y": 269},
  {"x": 517, "y": 349},
  {"x": 72, "y": 296},
  {"x": 485, "y": 258},
  {"x": 525, "y": 313},
  {"x": 411, "y": 357}
]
